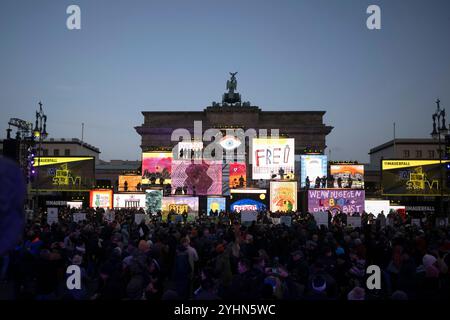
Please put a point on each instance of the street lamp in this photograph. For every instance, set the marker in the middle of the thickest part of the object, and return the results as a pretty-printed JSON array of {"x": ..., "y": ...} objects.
[
  {"x": 39, "y": 133},
  {"x": 438, "y": 132}
]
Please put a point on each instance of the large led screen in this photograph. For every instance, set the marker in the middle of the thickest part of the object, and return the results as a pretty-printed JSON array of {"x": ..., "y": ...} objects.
[
  {"x": 153, "y": 200},
  {"x": 215, "y": 204},
  {"x": 312, "y": 166},
  {"x": 238, "y": 175},
  {"x": 283, "y": 196},
  {"x": 345, "y": 201},
  {"x": 64, "y": 173},
  {"x": 198, "y": 177},
  {"x": 347, "y": 176},
  {"x": 180, "y": 205},
  {"x": 156, "y": 166},
  {"x": 129, "y": 200},
  {"x": 129, "y": 182},
  {"x": 413, "y": 178},
  {"x": 101, "y": 199},
  {"x": 270, "y": 155},
  {"x": 247, "y": 205}
]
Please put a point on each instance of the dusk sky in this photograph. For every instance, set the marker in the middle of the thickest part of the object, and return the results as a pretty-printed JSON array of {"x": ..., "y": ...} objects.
[{"x": 135, "y": 55}]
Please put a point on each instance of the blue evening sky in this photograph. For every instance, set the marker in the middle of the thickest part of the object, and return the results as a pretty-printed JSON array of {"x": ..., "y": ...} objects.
[{"x": 136, "y": 55}]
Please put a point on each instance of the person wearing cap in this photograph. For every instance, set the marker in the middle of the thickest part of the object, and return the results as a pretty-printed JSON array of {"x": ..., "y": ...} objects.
[{"x": 428, "y": 277}]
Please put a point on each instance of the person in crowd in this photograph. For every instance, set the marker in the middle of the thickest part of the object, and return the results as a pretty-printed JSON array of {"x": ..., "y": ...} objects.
[
  {"x": 317, "y": 183},
  {"x": 221, "y": 259},
  {"x": 307, "y": 183}
]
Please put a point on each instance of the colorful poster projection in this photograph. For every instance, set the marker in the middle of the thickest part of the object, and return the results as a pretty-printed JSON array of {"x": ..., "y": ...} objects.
[
  {"x": 347, "y": 176},
  {"x": 345, "y": 201},
  {"x": 101, "y": 199},
  {"x": 270, "y": 155},
  {"x": 413, "y": 178},
  {"x": 247, "y": 205},
  {"x": 156, "y": 166},
  {"x": 64, "y": 173},
  {"x": 312, "y": 166},
  {"x": 180, "y": 205},
  {"x": 129, "y": 182},
  {"x": 283, "y": 196},
  {"x": 238, "y": 175},
  {"x": 198, "y": 177},
  {"x": 129, "y": 200},
  {"x": 215, "y": 204},
  {"x": 153, "y": 200}
]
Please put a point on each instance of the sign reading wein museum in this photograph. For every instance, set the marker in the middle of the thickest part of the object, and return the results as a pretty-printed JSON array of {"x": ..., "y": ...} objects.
[{"x": 346, "y": 201}]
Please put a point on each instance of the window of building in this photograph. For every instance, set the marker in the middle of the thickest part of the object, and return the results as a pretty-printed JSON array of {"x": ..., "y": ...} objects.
[
  {"x": 406, "y": 153},
  {"x": 56, "y": 152},
  {"x": 418, "y": 154},
  {"x": 45, "y": 152},
  {"x": 67, "y": 152},
  {"x": 431, "y": 154}
]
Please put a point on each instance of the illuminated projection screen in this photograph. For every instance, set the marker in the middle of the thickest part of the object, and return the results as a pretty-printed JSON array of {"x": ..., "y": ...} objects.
[
  {"x": 101, "y": 199},
  {"x": 215, "y": 204},
  {"x": 345, "y": 201},
  {"x": 64, "y": 173},
  {"x": 180, "y": 205},
  {"x": 271, "y": 155},
  {"x": 412, "y": 178},
  {"x": 247, "y": 205},
  {"x": 153, "y": 200},
  {"x": 156, "y": 165},
  {"x": 283, "y": 196},
  {"x": 351, "y": 176},
  {"x": 376, "y": 206},
  {"x": 129, "y": 200},
  {"x": 132, "y": 182},
  {"x": 189, "y": 150},
  {"x": 204, "y": 177},
  {"x": 312, "y": 166},
  {"x": 238, "y": 175}
]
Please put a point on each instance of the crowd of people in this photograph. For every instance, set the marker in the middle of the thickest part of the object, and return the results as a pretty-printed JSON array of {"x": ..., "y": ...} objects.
[{"x": 220, "y": 258}]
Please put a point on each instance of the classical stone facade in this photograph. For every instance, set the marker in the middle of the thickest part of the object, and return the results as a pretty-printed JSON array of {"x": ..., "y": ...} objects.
[{"x": 306, "y": 127}]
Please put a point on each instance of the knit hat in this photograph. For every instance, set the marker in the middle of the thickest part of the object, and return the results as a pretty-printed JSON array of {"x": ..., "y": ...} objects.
[
  {"x": 357, "y": 293},
  {"x": 220, "y": 248},
  {"x": 143, "y": 246},
  {"x": 428, "y": 260}
]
